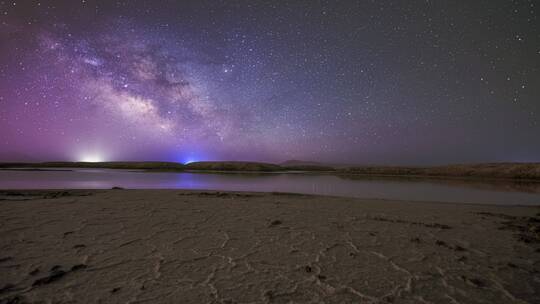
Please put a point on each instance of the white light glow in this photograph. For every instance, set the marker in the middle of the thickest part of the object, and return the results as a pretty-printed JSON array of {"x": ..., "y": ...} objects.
[{"x": 91, "y": 158}]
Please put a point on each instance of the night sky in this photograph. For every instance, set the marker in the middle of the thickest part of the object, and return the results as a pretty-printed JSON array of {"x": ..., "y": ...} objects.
[{"x": 365, "y": 82}]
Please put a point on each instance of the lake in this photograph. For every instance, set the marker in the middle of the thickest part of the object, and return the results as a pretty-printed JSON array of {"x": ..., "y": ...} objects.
[{"x": 407, "y": 189}]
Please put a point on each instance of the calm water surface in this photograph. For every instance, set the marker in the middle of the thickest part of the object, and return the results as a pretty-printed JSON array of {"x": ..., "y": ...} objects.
[{"x": 395, "y": 189}]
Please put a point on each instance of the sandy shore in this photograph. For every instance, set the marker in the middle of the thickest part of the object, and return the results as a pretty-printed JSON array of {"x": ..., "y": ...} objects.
[{"x": 171, "y": 246}]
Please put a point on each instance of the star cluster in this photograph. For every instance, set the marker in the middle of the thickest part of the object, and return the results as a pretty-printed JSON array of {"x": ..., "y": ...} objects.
[{"x": 386, "y": 82}]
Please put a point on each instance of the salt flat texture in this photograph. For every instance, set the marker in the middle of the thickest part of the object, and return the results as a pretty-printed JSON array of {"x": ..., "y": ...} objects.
[{"x": 172, "y": 246}]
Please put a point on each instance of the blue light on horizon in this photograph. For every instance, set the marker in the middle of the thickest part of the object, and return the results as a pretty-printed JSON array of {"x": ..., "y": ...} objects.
[{"x": 186, "y": 158}]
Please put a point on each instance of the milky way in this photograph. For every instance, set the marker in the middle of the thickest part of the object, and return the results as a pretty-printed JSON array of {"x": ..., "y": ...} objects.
[{"x": 415, "y": 82}]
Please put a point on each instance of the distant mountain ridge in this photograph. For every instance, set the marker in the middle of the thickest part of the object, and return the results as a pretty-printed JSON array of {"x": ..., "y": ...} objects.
[
  {"x": 521, "y": 171},
  {"x": 233, "y": 166}
]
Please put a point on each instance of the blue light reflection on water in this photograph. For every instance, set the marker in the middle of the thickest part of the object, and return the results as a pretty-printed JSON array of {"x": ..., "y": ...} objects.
[{"x": 394, "y": 189}]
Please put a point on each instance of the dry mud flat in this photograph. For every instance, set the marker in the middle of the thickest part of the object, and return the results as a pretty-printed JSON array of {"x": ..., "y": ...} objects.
[{"x": 171, "y": 246}]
